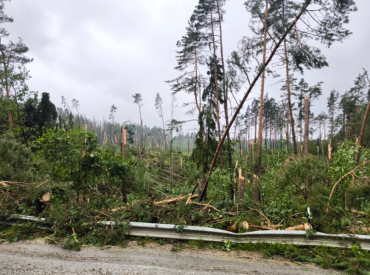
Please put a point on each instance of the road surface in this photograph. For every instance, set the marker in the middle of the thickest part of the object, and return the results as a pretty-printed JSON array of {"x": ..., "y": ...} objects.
[{"x": 36, "y": 257}]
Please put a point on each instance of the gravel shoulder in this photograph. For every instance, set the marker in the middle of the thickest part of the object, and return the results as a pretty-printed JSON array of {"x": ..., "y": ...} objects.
[{"x": 37, "y": 257}]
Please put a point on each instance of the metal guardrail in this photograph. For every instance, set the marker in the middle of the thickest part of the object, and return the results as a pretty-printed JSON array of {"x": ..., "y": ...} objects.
[{"x": 170, "y": 231}]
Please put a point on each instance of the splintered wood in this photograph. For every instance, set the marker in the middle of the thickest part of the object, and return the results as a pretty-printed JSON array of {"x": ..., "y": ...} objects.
[
  {"x": 176, "y": 199},
  {"x": 124, "y": 141},
  {"x": 301, "y": 227},
  {"x": 241, "y": 186}
]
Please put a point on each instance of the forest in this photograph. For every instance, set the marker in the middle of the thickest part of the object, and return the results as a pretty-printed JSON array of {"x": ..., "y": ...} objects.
[{"x": 251, "y": 165}]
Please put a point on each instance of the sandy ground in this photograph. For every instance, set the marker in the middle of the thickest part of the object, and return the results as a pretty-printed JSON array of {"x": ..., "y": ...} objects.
[{"x": 36, "y": 257}]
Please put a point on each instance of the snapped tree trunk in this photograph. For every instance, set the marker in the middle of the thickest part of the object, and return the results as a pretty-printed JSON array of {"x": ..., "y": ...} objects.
[
  {"x": 241, "y": 186},
  {"x": 124, "y": 142}
]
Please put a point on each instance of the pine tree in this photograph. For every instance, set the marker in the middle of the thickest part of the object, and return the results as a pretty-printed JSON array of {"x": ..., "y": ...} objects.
[
  {"x": 190, "y": 56},
  {"x": 205, "y": 141},
  {"x": 209, "y": 19},
  {"x": 12, "y": 58}
]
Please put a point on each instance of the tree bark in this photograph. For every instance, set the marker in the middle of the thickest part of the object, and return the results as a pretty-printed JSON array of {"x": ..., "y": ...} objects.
[
  {"x": 241, "y": 186},
  {"x": 289, "y": 99},
  {"x": 306, "y": 124},
  {"x": 225, "y": 98},
  {"x": 259, "y": 153},
  {"x": 196, "y": 83},
  {"x": 124, "y": 142}
]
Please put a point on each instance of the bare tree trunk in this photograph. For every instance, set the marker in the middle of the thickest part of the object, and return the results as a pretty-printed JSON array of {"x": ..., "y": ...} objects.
[
  {"x": 289, "y": 99},
  {"x": 306, "y": 124},
  {"x": 225, "y": 97},
  {"x": 259, "y": 153},
  {"x": 266, "y": 132},
  {"x": 241, "y": 186},
  {"x": 124, "y": 142},
  {"x": 196, "y": 84},
  {"x": 255, "y": 129},
  {"x": 358, "y": 103},
  {"x": 224, "y": 83},
  {"x": 142, "y": 135}
]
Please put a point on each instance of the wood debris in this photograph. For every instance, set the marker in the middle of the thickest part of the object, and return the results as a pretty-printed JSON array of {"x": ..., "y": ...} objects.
[{"x": 301, "y": 227}]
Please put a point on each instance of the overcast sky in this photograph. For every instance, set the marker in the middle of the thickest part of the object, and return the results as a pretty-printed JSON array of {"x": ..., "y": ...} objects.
[{"x": 103, "y": 52}]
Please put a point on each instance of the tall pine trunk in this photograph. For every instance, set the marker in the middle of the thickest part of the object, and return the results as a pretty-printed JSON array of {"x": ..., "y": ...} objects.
[
  {"x": 306, "y": 124},
  {"x": 225, "y": 99},
  {"x": 289, "y": 99},
  {"x": 259, "y": 153}
]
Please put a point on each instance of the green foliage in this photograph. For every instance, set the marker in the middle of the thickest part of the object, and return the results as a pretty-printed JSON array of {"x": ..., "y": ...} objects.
[
  {"x": 16, "y": 160},
  {"x": 219, "y": 185},
  {"x": 72, "y": 243},
  {"x": 176, "y": 248}
]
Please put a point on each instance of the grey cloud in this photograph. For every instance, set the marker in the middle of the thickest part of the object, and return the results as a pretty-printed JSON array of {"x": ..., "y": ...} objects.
[{"x": 101, "y": 53}]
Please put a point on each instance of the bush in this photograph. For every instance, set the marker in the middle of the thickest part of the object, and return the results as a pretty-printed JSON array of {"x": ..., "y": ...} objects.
[{"x": 16, "y": 160}]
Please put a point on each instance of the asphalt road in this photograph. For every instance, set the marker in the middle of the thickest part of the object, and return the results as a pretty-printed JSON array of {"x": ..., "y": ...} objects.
[{"x": 36, "y": 257}]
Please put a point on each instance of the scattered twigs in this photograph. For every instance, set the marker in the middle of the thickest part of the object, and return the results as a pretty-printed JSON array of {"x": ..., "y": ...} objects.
[
  {"x": 43, "y": 183},
  {"x": 286, "y": 162},
  {"x": 259, "y": 227},
  {"x": 263, "y": 215},
  {"x": 118, "y": 209},
  {"x": 190, "y": 198},
  {"x": 270, "y": 226},
  {"x": 137, "y": 160},
  {"x": 20, "y": 184},
  {"x": 303, "y": 192},
  {"x": 301, "y": 227},
  {"x": 175, "y": 200},
  {"x": 359, "y": 213},
  {"x": 206, "y": 206},
  {"x": 104, "y": 214},
  {"x": 174, "y": 174},
  {"x": 336, "y": 184}
]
